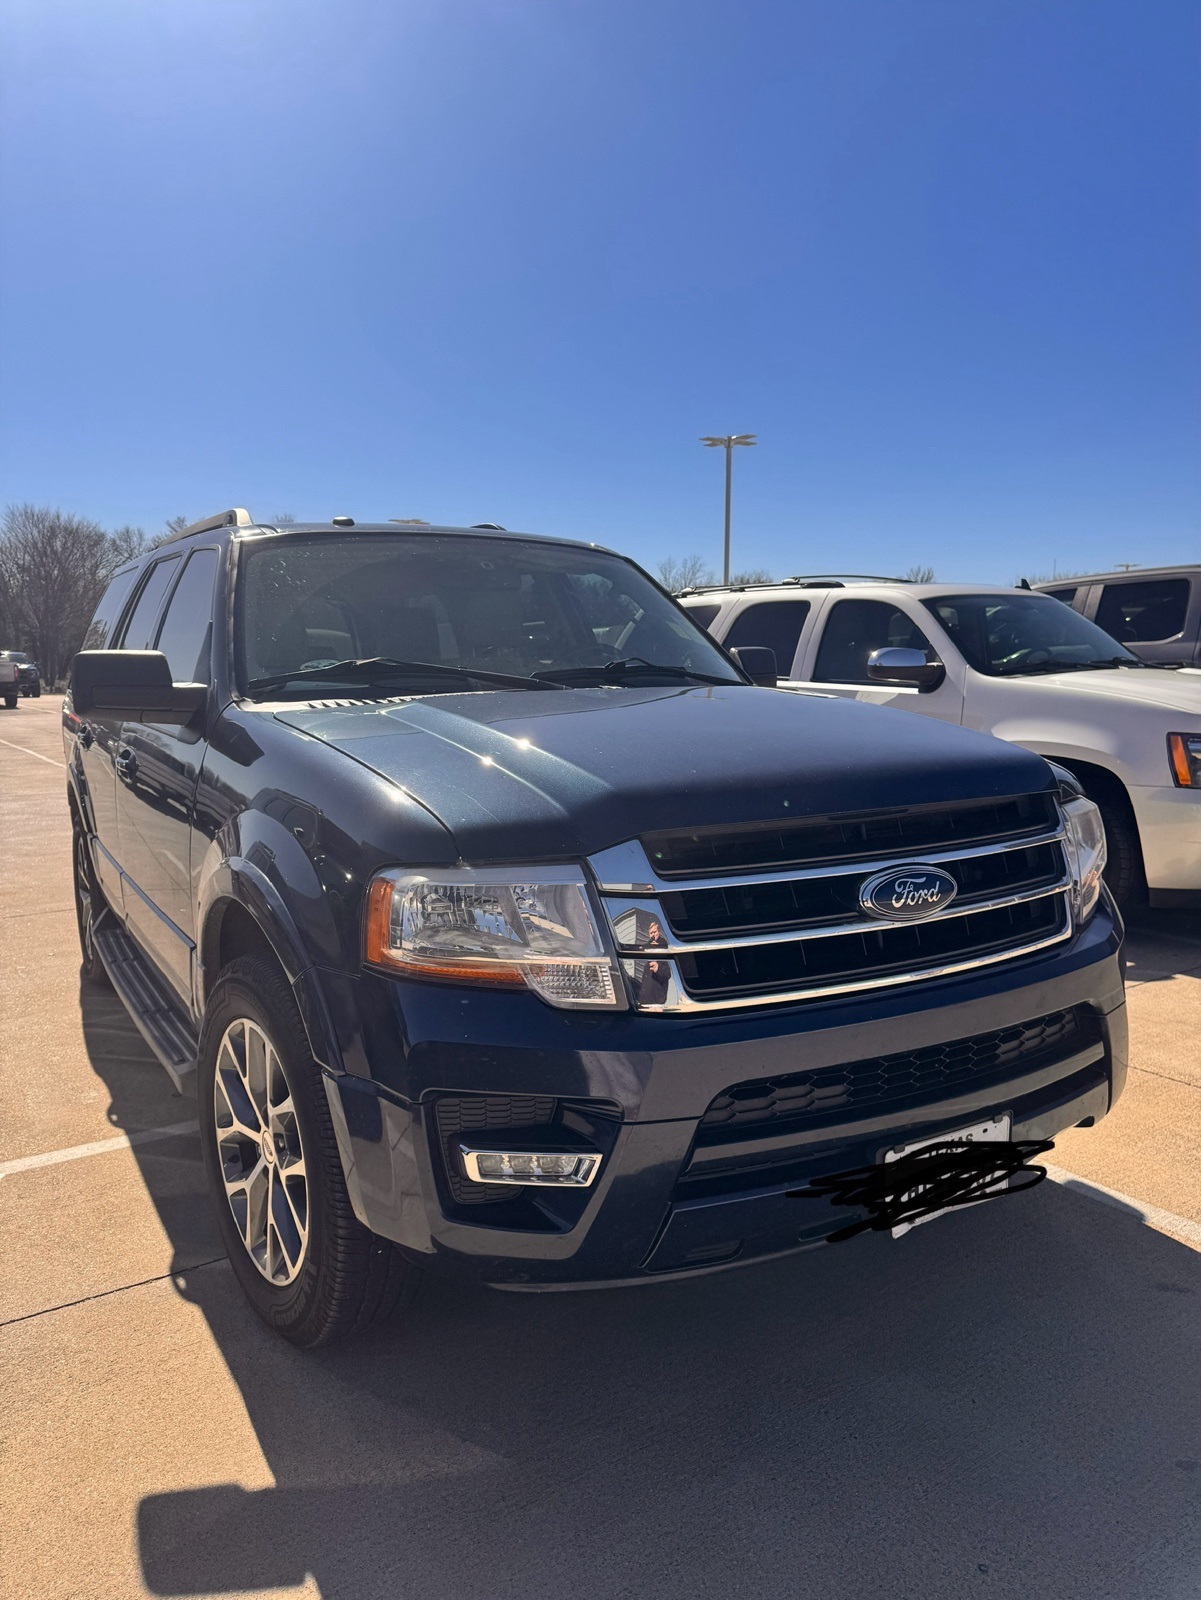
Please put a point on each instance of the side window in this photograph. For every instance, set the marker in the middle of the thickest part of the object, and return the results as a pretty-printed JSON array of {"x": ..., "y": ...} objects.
[
  {"x": 1066, "y": 595},
  {"x": 100, "y": 629},
  {"x": 702, "y": 615},
  {"x": 854, "y": 629},
  {"x": 1144, "y": 611},
  {"x": 139, "y": 630},
  {"x": 186, "y": 633},
  {"x": 775, "y": 624}
]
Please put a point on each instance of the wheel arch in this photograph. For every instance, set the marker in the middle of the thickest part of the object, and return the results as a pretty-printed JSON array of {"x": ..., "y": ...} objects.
[{"x": 244, "y": 914}]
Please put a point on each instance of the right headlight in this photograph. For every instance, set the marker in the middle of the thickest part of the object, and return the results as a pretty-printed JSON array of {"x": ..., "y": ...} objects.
[
  {"x": 1084, "y": 841},
  {"x": 525, "y": 926}
]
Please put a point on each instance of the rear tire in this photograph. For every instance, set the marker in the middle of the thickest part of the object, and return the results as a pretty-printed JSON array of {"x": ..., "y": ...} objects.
[
  {"x": 307, "y": 1265},
  {"x": 89, "y": 903},
  {"x": 10, "y": 700}
]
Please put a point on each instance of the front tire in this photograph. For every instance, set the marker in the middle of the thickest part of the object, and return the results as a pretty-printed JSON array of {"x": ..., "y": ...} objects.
[
  {"x": 309, "y": 1268},
  {"x": 1124, "y": 863}
]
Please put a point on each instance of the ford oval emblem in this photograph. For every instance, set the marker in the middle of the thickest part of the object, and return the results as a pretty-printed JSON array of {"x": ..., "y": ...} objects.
[{"x": 907, "y": 894}]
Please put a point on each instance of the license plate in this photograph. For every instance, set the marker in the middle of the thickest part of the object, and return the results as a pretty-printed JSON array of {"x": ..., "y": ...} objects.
[{"x": 997, "y": 1130}]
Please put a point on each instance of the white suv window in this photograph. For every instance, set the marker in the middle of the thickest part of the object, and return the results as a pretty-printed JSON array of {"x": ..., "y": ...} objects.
[
  {"x": 854, "y": 628},
  {"x": 774, "y": 625}
]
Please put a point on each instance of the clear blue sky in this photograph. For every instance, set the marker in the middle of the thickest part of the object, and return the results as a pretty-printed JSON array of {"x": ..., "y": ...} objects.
[{"x": 506, "y": 260}]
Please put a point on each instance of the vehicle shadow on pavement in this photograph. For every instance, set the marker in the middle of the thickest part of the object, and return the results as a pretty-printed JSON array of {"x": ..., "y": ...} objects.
[
  {"x": 1162, "y": 944},
  {"x": 1004, "y": 1403}
]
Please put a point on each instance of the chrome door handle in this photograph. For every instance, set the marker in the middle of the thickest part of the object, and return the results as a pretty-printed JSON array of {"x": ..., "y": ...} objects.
[
  {"x": 127, "y": 765},
  {"x": 86, "y": 736}
]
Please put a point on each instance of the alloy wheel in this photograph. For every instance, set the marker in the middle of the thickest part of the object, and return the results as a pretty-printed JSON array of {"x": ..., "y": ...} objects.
[{"x": 261, "y": 1153}]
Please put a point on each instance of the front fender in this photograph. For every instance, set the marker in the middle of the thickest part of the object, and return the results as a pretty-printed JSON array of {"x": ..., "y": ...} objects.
[{"x": 238, "y": 881}]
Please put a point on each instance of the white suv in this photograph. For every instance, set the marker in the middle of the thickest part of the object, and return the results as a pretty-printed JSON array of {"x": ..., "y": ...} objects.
[{"x": 1011, "y": 662}]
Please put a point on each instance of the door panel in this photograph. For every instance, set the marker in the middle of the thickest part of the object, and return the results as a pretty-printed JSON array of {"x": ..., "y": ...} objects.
[
  {"x": 158, "y": 767},
  {"x": 850, "y": 629}
]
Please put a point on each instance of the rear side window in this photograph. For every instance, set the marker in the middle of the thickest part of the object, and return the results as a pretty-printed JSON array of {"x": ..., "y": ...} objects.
[
  {"x": 186, "y": 633},
  {"x": 100, "y": 629},
  {"x": 1066, "y": 595},
  {"x": 774, "y": 624},
  {"x": 857, "y": 627},
  {"x": 1145, "y": 610},
  {"x": 139, "y": 630},
  {"x": 702, "y": 615}
]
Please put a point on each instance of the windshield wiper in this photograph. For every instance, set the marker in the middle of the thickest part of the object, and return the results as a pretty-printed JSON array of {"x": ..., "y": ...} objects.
[
  {"x": 379, "y": 669},
  {"x": 628, "y": 666}
]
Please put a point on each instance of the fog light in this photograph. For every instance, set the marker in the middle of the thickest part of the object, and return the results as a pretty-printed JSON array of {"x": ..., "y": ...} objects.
[{"x": 574, "y": 1168}]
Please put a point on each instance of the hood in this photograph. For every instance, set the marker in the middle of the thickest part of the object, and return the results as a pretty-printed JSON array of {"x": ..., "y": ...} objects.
[
  {"x": 532, "y": 776},
  {"x": 1178, "y": 690}
]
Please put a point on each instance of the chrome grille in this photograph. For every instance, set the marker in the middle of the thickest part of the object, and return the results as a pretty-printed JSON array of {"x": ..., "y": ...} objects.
[{"x": 742, "y": 937}]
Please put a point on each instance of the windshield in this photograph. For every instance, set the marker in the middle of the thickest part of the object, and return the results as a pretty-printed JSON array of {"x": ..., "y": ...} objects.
[
  {"x": 14, "y": 655},
  {"x": 501, "y": 606},
  {"x": 1017, "y": 634}
]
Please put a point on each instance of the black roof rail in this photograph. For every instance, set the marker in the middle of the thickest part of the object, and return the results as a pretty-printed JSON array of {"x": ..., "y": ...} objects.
[{"x": 237, "y": 518}]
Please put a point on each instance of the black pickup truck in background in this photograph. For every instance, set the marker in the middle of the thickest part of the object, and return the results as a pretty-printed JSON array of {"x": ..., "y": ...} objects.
[{"x": 507, "y": 928}]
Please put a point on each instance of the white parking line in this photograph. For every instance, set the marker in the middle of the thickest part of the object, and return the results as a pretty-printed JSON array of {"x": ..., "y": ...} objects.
[
  {"x": 1155, "y": 1216},
  {"x": 98, "y": 1147},
  {"x": 34, "y": 753}
]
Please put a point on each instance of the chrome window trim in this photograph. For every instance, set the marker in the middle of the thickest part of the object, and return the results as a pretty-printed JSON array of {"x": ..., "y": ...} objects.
[
  {"x": 803, "y": 932},
  {"x": 678, "y": 1000},
  {"x": 625, "y": 869}
]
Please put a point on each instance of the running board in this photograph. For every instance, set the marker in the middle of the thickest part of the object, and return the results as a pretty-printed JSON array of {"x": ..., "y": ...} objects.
[{"x": 159, "y": 1017}]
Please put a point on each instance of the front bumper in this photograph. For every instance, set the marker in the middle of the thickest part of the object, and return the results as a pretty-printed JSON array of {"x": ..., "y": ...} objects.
[
  {"x": 664, "y": 1203},
  {"x": 1169, "y": 826}
]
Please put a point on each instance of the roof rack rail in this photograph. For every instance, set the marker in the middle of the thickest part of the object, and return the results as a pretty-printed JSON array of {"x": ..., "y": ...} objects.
[
  {"x": 237, "y": 518},
  {"x": 825, "y": 580}
]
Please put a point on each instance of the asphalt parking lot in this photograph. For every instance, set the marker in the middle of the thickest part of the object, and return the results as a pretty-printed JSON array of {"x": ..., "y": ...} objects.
[{"x": 1004, "y": 1404}]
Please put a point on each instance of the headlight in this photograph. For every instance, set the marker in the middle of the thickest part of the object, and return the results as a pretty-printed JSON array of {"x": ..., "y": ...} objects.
[
  {"x": 516, "y": 926},
  {"x": 1085, "y": 843},
  {"x": 1184, "y": 752}
]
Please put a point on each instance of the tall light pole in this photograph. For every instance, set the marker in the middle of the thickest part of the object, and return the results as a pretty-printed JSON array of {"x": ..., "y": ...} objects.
[{"x": 713, "y": 441}]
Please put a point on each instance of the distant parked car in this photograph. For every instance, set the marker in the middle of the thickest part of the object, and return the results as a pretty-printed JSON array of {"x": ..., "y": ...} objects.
[
  {"x": 1154, "y": 611},
  {"x": 29, "y": 678},
  {"x": 10, "y": 686}
]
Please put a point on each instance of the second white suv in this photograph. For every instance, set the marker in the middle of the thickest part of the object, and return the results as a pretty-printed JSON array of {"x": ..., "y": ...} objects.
[{"x": 1010, "y": 662}]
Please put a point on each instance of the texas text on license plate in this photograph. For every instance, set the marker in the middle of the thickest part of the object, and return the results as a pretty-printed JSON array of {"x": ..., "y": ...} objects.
[{"x": 995, "y": 1130}]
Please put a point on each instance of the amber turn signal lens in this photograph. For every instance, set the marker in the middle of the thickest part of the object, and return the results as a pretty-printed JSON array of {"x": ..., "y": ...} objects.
[{"x": 1184, "y": 750}]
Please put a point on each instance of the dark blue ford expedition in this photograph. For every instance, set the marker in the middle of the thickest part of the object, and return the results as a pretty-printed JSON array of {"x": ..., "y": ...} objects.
[{"x": 511, "y": 930}]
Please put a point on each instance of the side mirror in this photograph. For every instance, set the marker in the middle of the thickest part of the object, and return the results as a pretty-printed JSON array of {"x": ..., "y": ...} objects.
[
  {"x": 134, "y": 685},
  {"x": 911, "y": 667},
  {"x": 758, "y": 662}
]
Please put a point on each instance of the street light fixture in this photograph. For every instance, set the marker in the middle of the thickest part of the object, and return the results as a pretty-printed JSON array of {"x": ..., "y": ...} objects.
[{"x": 727, "y": 443}]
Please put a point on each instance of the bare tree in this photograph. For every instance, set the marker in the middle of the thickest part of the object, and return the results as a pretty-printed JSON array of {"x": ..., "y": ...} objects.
[
  {"x": 53, "y": 567},
  {"x": 282, "y": 519},
  {"x": 920, "y": 575},
  {"x": 124, "y": 544},
  {"x": 1056, "y": 575},
  {"x": 684, "y": 572},
  {"x": 174, "y": 525},
  {"x": 753, "y": 575}
]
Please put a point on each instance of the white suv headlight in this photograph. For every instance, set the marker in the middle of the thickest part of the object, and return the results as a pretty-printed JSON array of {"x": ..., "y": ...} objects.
[
  {"x": 531, "y": 926},
  {"x": 1085, "y": 843}
]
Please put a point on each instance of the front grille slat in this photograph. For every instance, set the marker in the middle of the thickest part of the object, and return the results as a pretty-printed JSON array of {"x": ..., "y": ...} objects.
[
  {"x": 712, "y": 974},
  {"x": 755, "y": 914},
  {"x": 909, "y": 1077}
]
